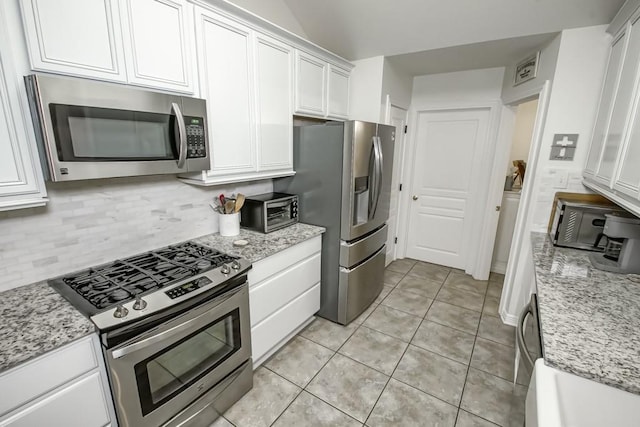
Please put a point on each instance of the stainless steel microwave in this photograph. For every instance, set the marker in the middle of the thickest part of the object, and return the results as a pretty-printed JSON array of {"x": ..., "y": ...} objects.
[
  {"x": 269, "y": 212},
  {"x": 87, "y": 129}
]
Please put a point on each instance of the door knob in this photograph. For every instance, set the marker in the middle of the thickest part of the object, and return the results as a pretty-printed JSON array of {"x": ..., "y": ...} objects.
[{"x": 415, "y": 197}]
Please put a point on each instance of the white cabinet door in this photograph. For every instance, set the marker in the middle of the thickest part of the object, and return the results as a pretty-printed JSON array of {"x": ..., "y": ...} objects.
[
  {"x": 224, "y": 54},
  {"x": 311, "y": 85},
  {"x": 158, "y": 42},
  {"x": 21, "y": 183},
  {"x": 77, "y": 37},
  {"x": 621, "y": 109},
  {"x": 81, "y": 404},
  {"x": 338, "y": 93},
  {"x": 274, "y": 87},
  {"x": 606, "y": 105}
]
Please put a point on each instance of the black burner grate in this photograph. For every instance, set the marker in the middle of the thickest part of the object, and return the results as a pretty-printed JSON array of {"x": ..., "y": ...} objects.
[{"x": 123, "y": 279}]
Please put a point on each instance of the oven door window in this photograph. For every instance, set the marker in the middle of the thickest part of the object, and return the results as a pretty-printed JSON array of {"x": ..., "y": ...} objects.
[
  {"x": 167, "y": 373},
  {"x": 91, "y": 134}
]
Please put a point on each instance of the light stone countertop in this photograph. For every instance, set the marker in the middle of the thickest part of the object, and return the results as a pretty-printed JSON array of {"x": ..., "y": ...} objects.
[
  {"x": 589, "y": 319},
  {"x": 262, "y": 245},
  {"x": 36, "y": 319}
]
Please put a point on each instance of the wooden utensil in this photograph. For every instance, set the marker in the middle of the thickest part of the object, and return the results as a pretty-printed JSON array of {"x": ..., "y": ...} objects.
[
  {"x": 229, "y": 206},
  {"x": 239, "y": 202}
]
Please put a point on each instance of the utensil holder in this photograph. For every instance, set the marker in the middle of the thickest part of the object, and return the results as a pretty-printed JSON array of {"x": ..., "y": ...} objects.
[{"x": 229, "y": 224}]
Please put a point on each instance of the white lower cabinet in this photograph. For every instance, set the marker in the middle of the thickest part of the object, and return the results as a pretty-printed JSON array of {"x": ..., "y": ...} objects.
[
  {"x": 284, "y": 295},
  {"x": 65, "y": 387}
]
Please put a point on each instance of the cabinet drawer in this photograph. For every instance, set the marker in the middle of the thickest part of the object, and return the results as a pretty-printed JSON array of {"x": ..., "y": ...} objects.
[
  {"x": 82, "y": 404},
  {"x": 272, "y": 330},
  {"x": 275, "y": 292},
  {"x": 275, "y": 263},
  {"x": 45, "y": 373}
]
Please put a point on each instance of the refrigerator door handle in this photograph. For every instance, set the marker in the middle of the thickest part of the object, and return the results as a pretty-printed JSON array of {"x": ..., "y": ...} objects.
[
  {"x": 373, "y": 178},
  {"x": 377, "y": 144}
]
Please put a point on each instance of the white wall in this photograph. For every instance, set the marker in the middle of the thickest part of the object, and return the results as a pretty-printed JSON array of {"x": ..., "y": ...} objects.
[
  {"x": 572, "y": 108},
  {"x": 397, "y": 84},
  {"x": 275, "y": 11},
  {"x": 522, "y": 131},
  {"x": 460, "y": 87},
  {"x": 365, "y": 89},
  {"x": 91, "y": 222},
  {"x": 546, "y": 71}
]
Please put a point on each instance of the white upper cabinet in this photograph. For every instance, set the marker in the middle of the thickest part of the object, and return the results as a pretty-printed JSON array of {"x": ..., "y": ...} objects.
[
  {"x": 76, "y": 37},
  {"x": 225, "y": 61},
  {"x": 274, "y": 87},
  {"x": 606, "y": 103},
  {"x": 157, "y": 41},
  {"x": 21, "y": 183},
  {"x": 338, "y": 93},
  {"x": 311, "y": 85}
]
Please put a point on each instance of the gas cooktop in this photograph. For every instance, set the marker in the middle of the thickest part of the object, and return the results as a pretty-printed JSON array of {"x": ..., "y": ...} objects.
[{"x": 96, "y": 290}]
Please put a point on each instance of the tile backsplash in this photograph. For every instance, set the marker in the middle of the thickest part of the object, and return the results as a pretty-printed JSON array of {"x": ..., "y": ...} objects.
[{"x": 91, "y": 222}]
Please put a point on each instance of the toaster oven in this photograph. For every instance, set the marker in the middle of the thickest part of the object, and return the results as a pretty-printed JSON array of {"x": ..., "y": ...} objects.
[
  {"x": 579, "y": 225},
  {"x": 269, "y": 212}
]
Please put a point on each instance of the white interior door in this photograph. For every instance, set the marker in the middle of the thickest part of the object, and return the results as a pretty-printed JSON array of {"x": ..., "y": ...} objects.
[
  {"x": 446, "y": 169},
  {"x": 398, "y": 120}
]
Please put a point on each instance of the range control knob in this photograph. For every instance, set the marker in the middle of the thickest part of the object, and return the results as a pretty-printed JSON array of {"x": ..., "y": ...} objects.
[
  {"x": 225, "y": 269},
  {"x": 235, "y": 265},
  {"x": 120, "y": 312},
  {"x": 139, "y": 304}
]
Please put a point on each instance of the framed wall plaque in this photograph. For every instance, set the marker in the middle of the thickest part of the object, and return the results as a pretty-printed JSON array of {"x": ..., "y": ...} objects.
[{"x": 527, "y": 69}]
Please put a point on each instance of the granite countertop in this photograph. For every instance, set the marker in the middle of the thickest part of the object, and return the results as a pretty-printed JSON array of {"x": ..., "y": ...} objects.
[
  {"x": 589, "y": 319},
  {"x": 262, "y": 245},
  {"x": 36, "y": 319}
]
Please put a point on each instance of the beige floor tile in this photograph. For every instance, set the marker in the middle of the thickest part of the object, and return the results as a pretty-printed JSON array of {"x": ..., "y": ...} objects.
[
  {"x": 408, "y": 302},
  {"x": 465, "y": 419},
  {"x": 464, "y": 299},
  {"x": 393, "y": 322},
  {"x": 221, "y": 422},
  {"x": 374, "y": 349},
  {"x": 433, "y": 272},
  {"x": 392, "y": 278},
  {"x": 269, "y": 397},
  {"x": 454, "y": 316},
  {"x": 494, "y": 399},
  {"x": 327, "y": 333},
  {"x": 494, "y": 289},
  {"x": 496, "y": 277},
  {"x": 402, "y": 405},
  {"x": 383, "y": 293},
  {"x": 299, "y": 361},
  {"x": 491, "y": 306},
  {"x": 432, "y": 374},
  {"x": 401, "y": 265},
  {"x": 308, "y": 410},
  {"x": 349, "y": 386},
  {"x": 493, "y": 329},
  {"x": 464, "y": 282},
  {"x": 445, "y": 341},
  {"x": 420, "y": 286},
  {"x": 360, "y": 319}
]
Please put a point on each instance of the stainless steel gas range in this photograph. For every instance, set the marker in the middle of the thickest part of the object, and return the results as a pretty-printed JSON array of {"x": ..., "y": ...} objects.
[{"x": 175, "y": 332}]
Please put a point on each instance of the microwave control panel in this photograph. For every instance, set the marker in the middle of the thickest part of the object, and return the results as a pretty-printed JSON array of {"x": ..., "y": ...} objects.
[{"x": 196, "y": 140}]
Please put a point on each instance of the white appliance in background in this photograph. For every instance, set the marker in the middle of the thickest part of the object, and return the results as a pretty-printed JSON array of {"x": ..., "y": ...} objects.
[
  {"x": 343, "y": 183},
  {"x": 88, "y": 129}
]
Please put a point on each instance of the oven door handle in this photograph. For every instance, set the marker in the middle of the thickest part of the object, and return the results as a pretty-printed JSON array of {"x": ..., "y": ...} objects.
[
  {"x": 154, "y": 339},
  {"x": 182, "y": 134}
]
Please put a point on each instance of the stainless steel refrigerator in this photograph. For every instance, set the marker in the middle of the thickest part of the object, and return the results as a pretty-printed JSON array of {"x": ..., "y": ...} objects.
[{"x": 343, "y": 182}]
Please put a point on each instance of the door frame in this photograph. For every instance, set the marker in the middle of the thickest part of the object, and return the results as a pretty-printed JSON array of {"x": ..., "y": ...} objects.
[
  {"x": 519, "y": 255},
  {"x": 403, "y": 140},
  {"x": 477, "y": 206}
]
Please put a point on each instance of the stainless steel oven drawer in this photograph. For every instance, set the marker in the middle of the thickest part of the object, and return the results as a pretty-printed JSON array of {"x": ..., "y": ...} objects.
[
  {"x": 351, "y": 253},
  {"x": 360, "y": 286}
]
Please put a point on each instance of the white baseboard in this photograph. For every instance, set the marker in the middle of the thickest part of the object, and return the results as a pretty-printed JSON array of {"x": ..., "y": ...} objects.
[
  {"x": 509, "y": 319},
  {"x": 499, "y": 267}
]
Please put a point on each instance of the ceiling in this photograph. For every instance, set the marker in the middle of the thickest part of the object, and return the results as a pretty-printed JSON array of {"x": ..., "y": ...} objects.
[
  {"x": 496, "y": 53},
  {"x": 357, "y": 29}
]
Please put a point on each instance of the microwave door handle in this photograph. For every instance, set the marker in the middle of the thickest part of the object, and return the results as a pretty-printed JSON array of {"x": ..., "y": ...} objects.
[
  {"x": 156, "y": 338},
  {"x": 182, "y": 134}
]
